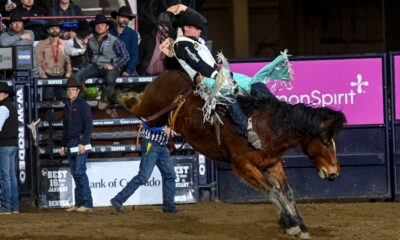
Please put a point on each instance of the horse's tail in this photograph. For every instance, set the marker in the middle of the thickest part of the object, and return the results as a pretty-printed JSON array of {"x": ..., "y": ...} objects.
[{"x": 128, "y": 99}]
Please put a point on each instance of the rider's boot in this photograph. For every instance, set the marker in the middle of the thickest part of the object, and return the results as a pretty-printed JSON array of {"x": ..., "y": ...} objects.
[
  {"x": 252, "y": 136},
  {"x": 244, "y": 126}
]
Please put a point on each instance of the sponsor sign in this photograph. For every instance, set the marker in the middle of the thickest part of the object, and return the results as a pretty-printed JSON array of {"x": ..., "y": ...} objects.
[
  {"x": 56, "y": 189},
  {"x": 397, "y": 86},
  {"x": 106, "y": 179},
  {"x": 354, "y": 86},
  {"x": 185, "y": 189},
  {"x": 20, "y": 99},
  {"x": 6, "y": 60}
]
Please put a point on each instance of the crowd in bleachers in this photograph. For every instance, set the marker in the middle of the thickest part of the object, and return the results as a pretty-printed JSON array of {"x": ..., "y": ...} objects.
[{"x": 103, "y": 47}]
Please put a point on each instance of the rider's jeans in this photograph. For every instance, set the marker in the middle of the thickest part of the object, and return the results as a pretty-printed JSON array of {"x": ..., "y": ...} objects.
[{"x": 238, "y": 117}]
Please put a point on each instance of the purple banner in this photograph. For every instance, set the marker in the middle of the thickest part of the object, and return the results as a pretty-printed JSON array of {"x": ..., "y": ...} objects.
[
  {"x": 397, "y": 86},
  {"x": 351, "y": 85}
]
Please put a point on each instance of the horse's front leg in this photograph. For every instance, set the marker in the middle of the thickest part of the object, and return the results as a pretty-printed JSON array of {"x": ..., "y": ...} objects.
[{"x": 282, "y": 195}]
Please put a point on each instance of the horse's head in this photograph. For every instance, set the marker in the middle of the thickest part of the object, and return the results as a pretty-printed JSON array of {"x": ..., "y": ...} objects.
[{"x": 322, "y": 148}]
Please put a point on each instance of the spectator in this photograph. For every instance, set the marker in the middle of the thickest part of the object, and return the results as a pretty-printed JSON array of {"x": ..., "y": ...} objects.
[
  {"x": 66, "y": 8},
  {"x": 8, "y": 151},
  {"x": 106, "y": 56},
  {"x": 6, "y": 6},
  {"x": 75, "y": 47},
  {"x": 30, "y": 9},
  {"x": 51, "y": 60},
  {"x": 152, "y": 60},
  {"x": 154, "y": 153},
  {"x": 77, "y": 123},
  {"x": 16, "y": 35},
  {"x": 128, "y": 36}
]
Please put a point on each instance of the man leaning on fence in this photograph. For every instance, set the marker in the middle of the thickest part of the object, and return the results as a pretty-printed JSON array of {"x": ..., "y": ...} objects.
[
  {"x": 78, "y": 125},
  {"x": 16, "y": 34},
  {"x": 106, "y": 55},
  {"x": 51, "y": 60}
]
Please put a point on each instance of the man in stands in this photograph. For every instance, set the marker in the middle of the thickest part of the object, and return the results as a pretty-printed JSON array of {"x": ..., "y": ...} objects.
[
  {"x": 106, "y": 55},
  {"x": 128, "y": 36},
  {"x": 75, "y": 47},
  {"x": 16, "y": 35},
  {"x": 51, "y": 60},
  {"x": 66, "y": 8}
]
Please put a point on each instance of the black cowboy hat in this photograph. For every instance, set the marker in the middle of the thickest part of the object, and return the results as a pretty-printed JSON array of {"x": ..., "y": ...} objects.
[
  {"x": 100, "y": 18},
  {"x": 190, "y": 18},
  {"x": 73, "y": 82},
  {"x": 83, "y": 29},
  {"x": 123, "y": 11},
  {"x": 16, "y": 16},
  {"x": 4, "y": 88},
  {"x": 53, "y": 23}
]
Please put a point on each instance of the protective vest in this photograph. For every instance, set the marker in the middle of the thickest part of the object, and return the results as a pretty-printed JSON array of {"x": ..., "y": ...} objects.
[
  {"x": 103, "y": 54},
  {"x": 202, "y": 50}
]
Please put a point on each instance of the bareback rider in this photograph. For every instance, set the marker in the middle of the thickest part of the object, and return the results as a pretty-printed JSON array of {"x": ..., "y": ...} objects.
[{"x": 197, "y": 60}]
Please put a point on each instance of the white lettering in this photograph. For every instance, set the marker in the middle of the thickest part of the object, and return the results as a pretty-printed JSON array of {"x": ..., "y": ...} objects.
[{"x": 321, "y": 99}]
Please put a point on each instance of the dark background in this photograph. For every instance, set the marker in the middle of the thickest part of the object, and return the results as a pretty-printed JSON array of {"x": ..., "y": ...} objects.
[{"x": 263, "y": 28}]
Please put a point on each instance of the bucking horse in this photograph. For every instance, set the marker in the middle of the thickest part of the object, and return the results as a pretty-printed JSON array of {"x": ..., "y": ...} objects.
[{"x": 280, "y": 126}]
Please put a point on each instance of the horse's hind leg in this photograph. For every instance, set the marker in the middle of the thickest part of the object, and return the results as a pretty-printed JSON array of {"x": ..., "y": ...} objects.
[{"x": 282, "y": 195}]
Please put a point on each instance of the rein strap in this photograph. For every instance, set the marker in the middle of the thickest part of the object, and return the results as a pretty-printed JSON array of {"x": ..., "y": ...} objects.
[{"x": 183, "y": 95}]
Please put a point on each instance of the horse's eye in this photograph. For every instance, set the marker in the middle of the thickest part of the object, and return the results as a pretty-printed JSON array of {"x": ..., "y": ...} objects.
[{"x": 326, "y": 142}]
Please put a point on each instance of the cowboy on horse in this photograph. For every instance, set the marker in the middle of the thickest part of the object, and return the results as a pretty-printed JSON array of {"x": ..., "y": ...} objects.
[{"x": 196, "y": 59}]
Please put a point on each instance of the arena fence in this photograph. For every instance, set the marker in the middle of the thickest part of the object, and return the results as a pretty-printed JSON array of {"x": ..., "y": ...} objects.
[{"x": 367, "y": 148}]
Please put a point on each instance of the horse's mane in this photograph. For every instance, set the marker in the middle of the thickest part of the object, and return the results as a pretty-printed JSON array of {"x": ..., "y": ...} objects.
[{"x": 296, "y": 117}]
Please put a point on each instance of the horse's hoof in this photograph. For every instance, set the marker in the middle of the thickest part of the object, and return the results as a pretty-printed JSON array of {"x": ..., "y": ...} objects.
[
  {"x": 293, "y": 231},
  {"x": 303, "y": 235}
]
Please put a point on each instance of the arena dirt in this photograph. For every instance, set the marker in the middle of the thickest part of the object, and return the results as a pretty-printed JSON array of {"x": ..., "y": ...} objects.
[{"x": 205, "y": 221}]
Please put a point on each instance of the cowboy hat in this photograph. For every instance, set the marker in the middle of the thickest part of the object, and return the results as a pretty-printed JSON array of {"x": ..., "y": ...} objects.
[
  {"x": 4, "y": 88},
  {"x": 53, "y": 23},
  {"x": 17, "y": 15},
  {"x": 83, "y": 29},
  {"x": 73, "y": 82},
  {"x": 124, "y": 12},
  {"x": 100, "y": 18},
  {"x": 190, "y": 18}
]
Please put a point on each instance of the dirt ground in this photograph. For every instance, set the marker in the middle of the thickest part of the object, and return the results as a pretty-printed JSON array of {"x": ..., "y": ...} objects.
[{"x": 203, "y": 221}]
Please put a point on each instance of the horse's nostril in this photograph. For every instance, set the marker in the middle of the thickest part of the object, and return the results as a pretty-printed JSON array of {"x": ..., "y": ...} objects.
[{"x": 332, "y": 176}]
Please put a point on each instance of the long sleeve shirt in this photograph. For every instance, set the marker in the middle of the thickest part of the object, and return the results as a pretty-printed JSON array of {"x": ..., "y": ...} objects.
[
  {"x": 130, "y": 38},
  {"x": 46, "y": 59},
  {"x": 11, "y": 38},
  {"x": 77, "y": 122},
  {"x": 4, "y": 114}
]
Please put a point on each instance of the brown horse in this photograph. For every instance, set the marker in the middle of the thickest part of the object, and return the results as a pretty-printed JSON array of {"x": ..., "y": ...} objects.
[{"x": 281, "y": 126}]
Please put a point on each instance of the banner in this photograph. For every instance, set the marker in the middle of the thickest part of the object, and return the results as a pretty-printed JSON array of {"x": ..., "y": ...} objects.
[
  {"x": 55, "y": 187},
  {"x": 354, "y": 86},
  {"x": 397, "y": 86},
  {"x": 106, "y": 179}
]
